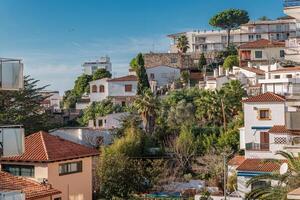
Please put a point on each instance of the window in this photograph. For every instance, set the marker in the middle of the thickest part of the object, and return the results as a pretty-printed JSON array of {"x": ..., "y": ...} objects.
[
  {"x": 289, "y": 76},
  {"x": 258, "y": 54},
  {"x": 258, "y": 37},
  {"x": 123, "y": 103},
  {"x": 70, "y": 168},
  {"x": 277, "y": 76},
  {"x": 259, "y": 184},
  {"x": 264, "y": 114},
  {"x": 251, "y": 37},
  {"x": 173, "y": 60},
  {"x": 128, "y": 88},
  {"x": 94, "y": 88},
  {"x": 101, "y": 89},
  {"x": 100, "y": 123},
  {"x": 58, "y": 198},
  {"x": 152, "y": 77},
  {"x": 282, "y": 53},
  {"x": 19, "y": 170}
]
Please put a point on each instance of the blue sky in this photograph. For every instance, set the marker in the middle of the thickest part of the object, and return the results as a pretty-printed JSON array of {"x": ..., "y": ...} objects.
[{"x": 54, "y": 37}]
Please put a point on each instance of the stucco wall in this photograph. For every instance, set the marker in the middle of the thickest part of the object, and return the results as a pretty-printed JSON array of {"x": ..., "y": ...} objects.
[{"x": 163, "y": 75}]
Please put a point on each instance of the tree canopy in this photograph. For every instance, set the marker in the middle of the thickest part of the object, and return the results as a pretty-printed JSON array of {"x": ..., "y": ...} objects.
[
  {"x": 230, "y": 62},
  {"x": 101, "y": 73},
  {"x": 143, "y": 83},
  {"x": 183, "y": 44}
]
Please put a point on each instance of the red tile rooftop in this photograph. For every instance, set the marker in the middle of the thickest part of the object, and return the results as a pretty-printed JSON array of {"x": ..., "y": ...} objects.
[
  {"x": 43, "y": 147},
  {"x": 123, "y": 78},
  {"x": 266, "y": 97},
  {"x": 258, "y": 165},
  {"x": 263, "y": 43},
  {"x": 32, "y": 189},
  {"x": 254, "y": 70},
  {"x": 287, "y": 69},
  {"x": 236, "y": 160}
]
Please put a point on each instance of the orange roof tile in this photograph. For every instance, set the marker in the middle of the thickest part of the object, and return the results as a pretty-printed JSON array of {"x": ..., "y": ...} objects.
[
  {"x": 123, "y": 78},
  {"x": 266, "y": 97},
  {"x": 258, "y": 165},
  {"x": 254, "y": 70},
  {"x": 287, "y": 69},
  {"x": 263, "y": 43},
  {"x": 236, "y": 160},
  {"x": 32, "y": 189},
  {"x": 279, "y": 130},
  {"x": 43, "y": 147}
]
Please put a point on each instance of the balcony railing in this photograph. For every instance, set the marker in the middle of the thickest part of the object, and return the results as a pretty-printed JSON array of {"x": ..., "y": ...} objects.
[
  {"x": 291, "y": 3},
  {"x": 257, "y": 146}
]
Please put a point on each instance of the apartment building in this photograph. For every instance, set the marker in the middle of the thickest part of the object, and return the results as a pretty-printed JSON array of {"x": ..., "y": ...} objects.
[
  {"x": 216, "y": 40},
  {"x": 261, "y": 52},
  {"x": 65, "y": 165},
  {"x": 271, "y": 123},
  {"x": 292, "y": 8},
  {"x": 90, "y": 67}
]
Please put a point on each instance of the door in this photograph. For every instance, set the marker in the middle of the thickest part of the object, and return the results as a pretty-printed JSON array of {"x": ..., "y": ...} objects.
[{"x": 264, "y": 140}]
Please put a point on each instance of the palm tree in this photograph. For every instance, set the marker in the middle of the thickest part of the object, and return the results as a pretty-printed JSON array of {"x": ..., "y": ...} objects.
[
  {"x": 284, "y": 182},
  {"x": 182, "y": 46},
  {"x": 147, "y": 105}
]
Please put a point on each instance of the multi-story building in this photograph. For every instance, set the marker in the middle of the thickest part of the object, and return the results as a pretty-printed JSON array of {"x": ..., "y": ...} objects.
[
  {"x": 65, "y": 165},
  {"x": 261, "y": 52},
  {"x": 103, "y": 63},
  {"x": 292, "y": 8},
  {"x": 210, "y": 41}
]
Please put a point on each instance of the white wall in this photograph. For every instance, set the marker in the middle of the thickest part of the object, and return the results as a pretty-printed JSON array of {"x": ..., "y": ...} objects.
[
  {"x": 163, "y": 75},
  {"x": 118, "y": 88}
]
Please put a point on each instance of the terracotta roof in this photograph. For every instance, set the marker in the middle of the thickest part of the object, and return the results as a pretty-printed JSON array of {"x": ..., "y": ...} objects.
[
  {"x": 154, "y": 66},
  {"x": 263, "y": 43},
  {"x": 287, "y": 69},
  {"x": 254, "y": 70},
  {"x": 32, "y": 189},
  {"x": 43, "y": 147},
  {"x": 295, "y": 192},
  {"x": 266, "y": 97},
  {"x": 277, "y": 129},
  {"x": 258, "y": 165},
  {"x": 236, "y": 160},
  {"x": 123, "y": 78}
]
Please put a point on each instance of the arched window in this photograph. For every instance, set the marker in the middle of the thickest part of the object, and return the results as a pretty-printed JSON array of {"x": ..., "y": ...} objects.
[
  {"x": 94, "y": 88},
  {"x": 101, "y": 88}
]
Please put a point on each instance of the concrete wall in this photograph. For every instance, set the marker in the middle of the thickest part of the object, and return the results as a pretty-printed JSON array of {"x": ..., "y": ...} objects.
[{"x": 163, "y": 75}]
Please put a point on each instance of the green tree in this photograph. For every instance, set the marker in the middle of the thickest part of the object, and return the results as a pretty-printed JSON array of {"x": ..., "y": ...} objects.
[
  {"x": 281, "y": 183},
  {"x": 202, "y": 62},
  {"x": 147, "y": 105},
  {"x": 24, "y": 107},
  {"x": 82, "y": 84},
  {"x": 185, "y": 77},
  {"x": 182, "y": 44},
  {"x": 231, "y": 61},
  {"x": 229, "y": 20},
  {"x": 133, "y": 64},
  {"x": 101, "y": 73},
  {"x": 264, "y": 18},
  {"x": 143, "y": 83}
]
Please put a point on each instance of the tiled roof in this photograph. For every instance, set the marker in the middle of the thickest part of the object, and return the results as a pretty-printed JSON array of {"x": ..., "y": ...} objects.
[
  {"x": 263, "y": 43},
  {"x": 258, "y": 165},
  {"x": 123, "y": 78},
  {"x": 43, "y": 147},
  {"x": 32, "y": 189},
  {"x": 287, "y": 69},
  {"x": 265, "y": 97},
  {"x": 154, "y": 66},
  {"x": 254, "y": 70},
  {"x": 236, "y": 160},
  {"x": 279, "y": 130}
]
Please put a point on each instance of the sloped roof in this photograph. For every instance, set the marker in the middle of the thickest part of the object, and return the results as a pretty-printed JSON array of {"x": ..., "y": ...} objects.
[
  {"x": 123, "y": 78},
  {"x": 279, "y": 129},
  {"x": 258, "y": 165},
  {"x": 263, "y": 43},
  {"x": 287, "y": 69},
  {"x": 32, "y": 189},
  {"x": 254, "y": 70},
  {"x": 43, "y": 147},
  {"x": 265, "y": 97},
  {"x": 236, "y": 160}
]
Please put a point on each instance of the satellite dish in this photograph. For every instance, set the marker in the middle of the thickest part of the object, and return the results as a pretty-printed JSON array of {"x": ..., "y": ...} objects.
[{"x": 283, "y": 168}]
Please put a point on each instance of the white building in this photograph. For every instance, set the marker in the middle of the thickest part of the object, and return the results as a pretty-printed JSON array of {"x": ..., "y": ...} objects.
[
  {"x": 108, "y": 122},
  {"x": 53, "y": 100},
  {"x": 122, "y": 89},
  {"x": 103, "y": 63},
  {"x": 208, "y": 41},
  {"x": 292, "y": 8},
  {"x": 283, "y": 81},
  {"x": 271, "y": 123},
  {"x": 163, "y": 75}
]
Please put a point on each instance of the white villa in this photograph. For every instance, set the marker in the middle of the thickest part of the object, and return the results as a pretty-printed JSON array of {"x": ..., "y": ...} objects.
[{"x": 91, "y": 66}]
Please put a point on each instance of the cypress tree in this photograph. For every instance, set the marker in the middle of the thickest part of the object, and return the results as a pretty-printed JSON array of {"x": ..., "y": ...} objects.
[{"x": 141, "y": 73}]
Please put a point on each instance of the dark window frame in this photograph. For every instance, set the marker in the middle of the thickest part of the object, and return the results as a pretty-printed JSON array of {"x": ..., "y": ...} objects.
[
  {"x": 128, "y": 88},
  {"x": 259, "y": 54},
  {"x": 4, "y": 167},
  {"x": 68, "y": 171}
]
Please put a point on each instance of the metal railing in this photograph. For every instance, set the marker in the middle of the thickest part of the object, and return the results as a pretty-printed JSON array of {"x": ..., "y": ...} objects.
[
  {"x": 257, "y": 146},
  {"x": 291, "y": 3}
]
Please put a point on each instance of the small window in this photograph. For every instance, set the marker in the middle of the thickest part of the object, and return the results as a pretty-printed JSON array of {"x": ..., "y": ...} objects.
[
  {"x": 19, "y": 170},
  {"x": 277, "y": 76},
  {"x": 264, "y": 114},
  {"x": 58, "y": 198},
  {"x": 94, "y": 88},
  {"x": 289, "y": 76},
  {"x": 100, "y": 123},
  {"x": 152, "y": 77},
  {"x": 173, "y": 60},
  {"x": 259, "y": 184},
  {"x": 258, "y": 37},
  {"x": 251, "y": 37},
  {"x": 282, "y": 53},
  {"x": 101, "y": 89},
  {"x": 258, "y": 54},
  {"x": 123, "y": 103},
  {"x": 128, "y": 88},
  {"x": 70, "y": 168}
]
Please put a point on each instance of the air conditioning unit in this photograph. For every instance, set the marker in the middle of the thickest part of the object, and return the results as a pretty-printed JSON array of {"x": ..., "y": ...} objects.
[
  {"x": 11, "y": 141},
  {"x": 11, "y": 74}
]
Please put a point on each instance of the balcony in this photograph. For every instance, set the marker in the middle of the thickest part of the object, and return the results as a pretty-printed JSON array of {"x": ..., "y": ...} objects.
[
  {"x": 291, "y": 3},
  {"x": 11, "y": 74},
  {"x": 257, "y": 146}
]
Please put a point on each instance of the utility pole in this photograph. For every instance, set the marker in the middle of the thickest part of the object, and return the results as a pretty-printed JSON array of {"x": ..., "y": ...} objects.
[{"x": 225, "y": 176}]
